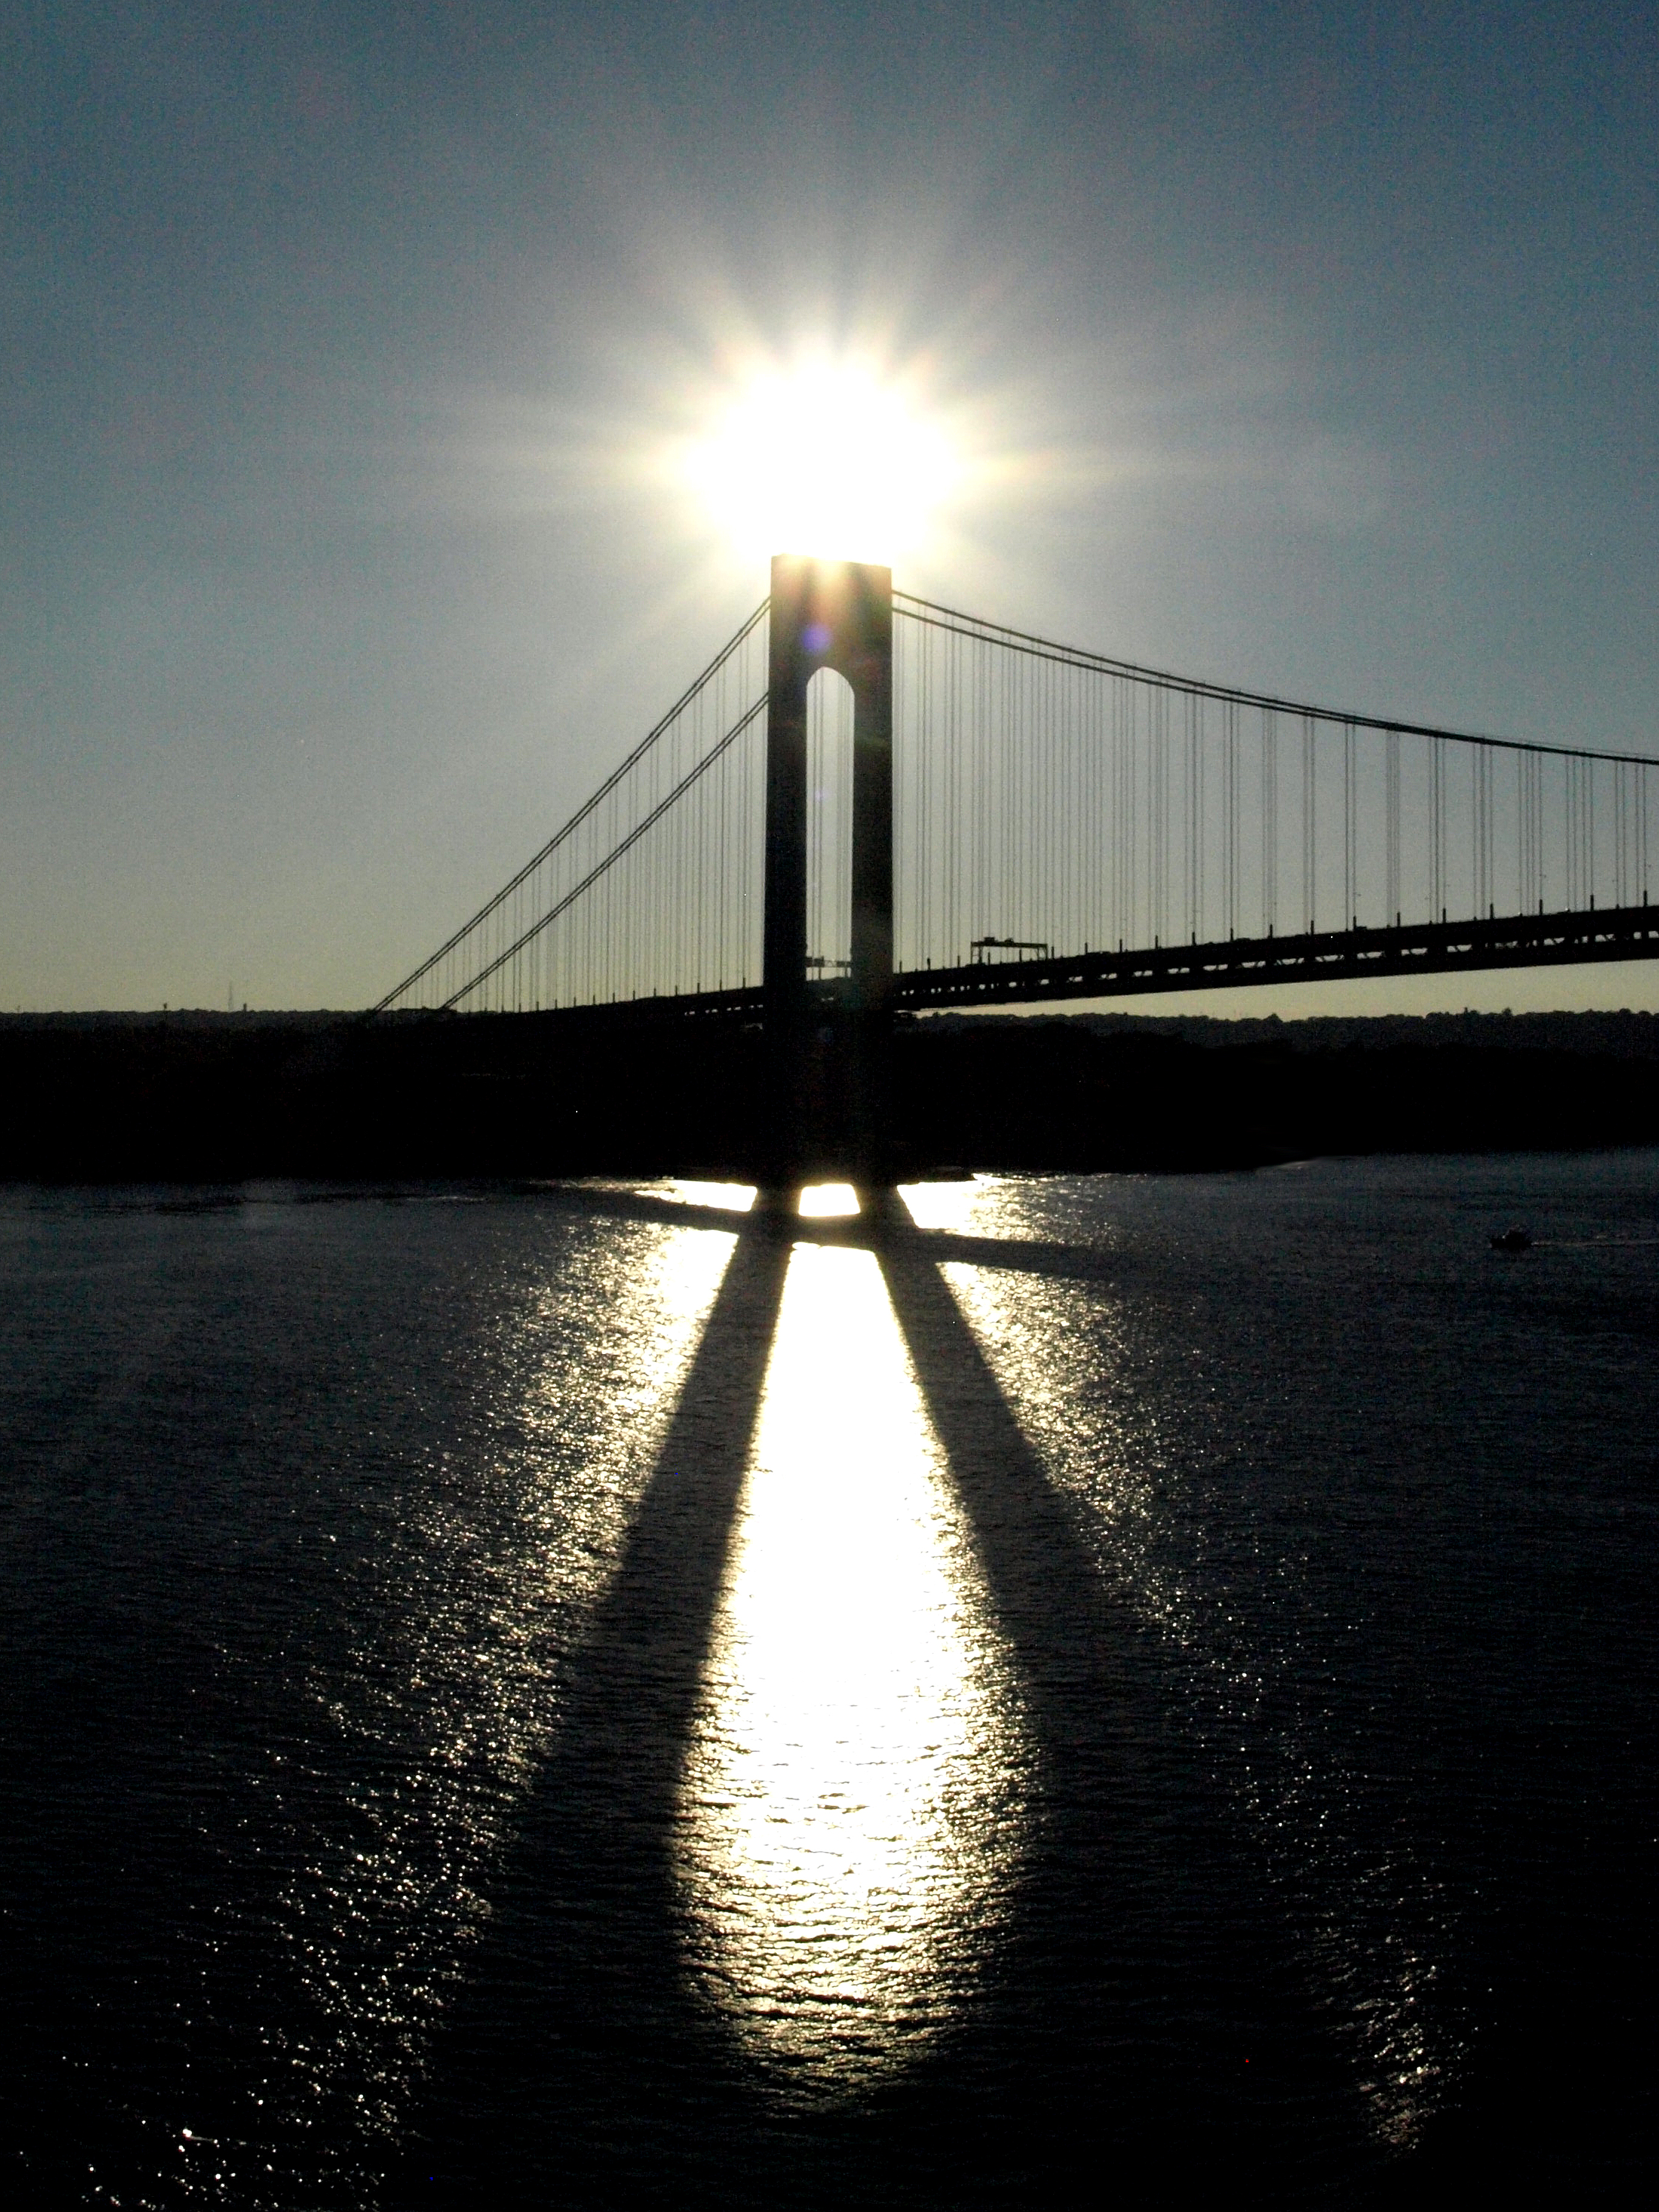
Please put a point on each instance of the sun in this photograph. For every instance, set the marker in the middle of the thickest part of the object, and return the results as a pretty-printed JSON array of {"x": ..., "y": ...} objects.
[{"x": 823, "y": 457}]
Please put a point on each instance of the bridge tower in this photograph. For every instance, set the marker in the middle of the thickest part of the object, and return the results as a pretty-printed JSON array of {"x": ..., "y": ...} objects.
[{"x": 837, "y": 615}]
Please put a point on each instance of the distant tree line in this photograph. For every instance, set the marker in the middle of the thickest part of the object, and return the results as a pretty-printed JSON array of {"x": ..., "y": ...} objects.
[{"x": 197, "y": 1098}]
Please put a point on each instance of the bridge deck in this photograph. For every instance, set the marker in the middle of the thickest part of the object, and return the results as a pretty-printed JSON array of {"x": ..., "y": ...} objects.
[{"x": 1543, "y": 940}]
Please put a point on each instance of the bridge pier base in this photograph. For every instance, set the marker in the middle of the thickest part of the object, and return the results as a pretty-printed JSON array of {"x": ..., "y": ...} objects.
[
  {"x": 880, "y": 1202},
  {"x": 776, "y": 1202}
]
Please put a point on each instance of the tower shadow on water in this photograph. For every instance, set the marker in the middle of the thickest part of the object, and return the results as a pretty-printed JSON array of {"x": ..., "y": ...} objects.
[{"x": 1136, "y": 1958}]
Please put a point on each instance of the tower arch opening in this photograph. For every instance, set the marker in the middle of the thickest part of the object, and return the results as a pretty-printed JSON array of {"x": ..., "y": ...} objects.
[{"x": 829, "y": 716}]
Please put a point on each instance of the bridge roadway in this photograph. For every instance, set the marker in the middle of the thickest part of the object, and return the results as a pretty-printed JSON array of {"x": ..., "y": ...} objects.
[{"x": 1541, "y": 940}]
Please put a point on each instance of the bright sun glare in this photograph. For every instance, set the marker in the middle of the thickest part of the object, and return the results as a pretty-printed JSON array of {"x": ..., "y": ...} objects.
[{"x": 826, "y": 459}]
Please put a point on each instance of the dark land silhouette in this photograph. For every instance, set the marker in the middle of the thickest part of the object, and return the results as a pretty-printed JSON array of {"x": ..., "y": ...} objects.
[{"x": 201, "y": 1097}]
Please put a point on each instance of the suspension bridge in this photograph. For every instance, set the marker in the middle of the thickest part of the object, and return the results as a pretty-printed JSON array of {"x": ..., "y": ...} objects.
[{"x": 869, "y": 806}]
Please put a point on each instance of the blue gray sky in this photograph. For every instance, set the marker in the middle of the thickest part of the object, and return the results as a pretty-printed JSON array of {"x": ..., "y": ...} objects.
[{"x": 1312, "y": 347}]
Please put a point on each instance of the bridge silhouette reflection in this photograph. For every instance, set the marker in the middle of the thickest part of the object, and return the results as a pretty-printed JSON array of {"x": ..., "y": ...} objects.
[{"x": 622, "y": 2030}]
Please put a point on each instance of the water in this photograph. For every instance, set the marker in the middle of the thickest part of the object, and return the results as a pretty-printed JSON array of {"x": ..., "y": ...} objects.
[{"x": 573, "y": 1696}]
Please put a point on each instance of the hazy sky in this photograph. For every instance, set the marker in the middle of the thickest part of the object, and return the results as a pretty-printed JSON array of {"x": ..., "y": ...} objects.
[{"x": 1313, "y": 348}]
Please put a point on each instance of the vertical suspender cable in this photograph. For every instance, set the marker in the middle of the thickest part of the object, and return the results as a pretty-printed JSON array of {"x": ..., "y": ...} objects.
[
  {"x": 1310, "y": 823},
  {"x": 1269, "y": 822},
  {"x": 1229, "y": 814},
  {"x": 1391, "y": 829},
  {"x": 1641, "y": 822},
  {"x": 1437, "y": 827}
]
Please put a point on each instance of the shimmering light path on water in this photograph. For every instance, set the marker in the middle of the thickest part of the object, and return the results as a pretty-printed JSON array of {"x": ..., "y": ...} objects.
[
  {"x": 848, "y": 1804},
  {"x": 554, "y": 1695}
]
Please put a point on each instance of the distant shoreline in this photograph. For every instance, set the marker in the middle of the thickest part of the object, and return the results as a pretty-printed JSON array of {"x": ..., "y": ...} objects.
[{"x": 194, "y": 1094}]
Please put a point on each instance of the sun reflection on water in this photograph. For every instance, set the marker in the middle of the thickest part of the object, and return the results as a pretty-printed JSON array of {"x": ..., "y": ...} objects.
[
  {"x": 825, "y": 1202},
  {"x": 851, "y": 1805}
]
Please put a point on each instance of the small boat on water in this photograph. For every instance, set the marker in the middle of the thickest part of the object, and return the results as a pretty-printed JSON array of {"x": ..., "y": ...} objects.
[{"x": 1512, "y": 1240}]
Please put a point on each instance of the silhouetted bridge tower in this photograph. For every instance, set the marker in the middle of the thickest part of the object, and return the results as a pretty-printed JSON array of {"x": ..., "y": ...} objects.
[
  {"x": 834, "y": 617},
  {"x": 870, "y": 805}
]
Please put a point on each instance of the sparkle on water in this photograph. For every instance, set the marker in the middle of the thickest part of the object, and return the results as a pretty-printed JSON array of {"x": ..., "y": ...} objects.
[
  {"x": 822, "y": 1201},
  {"x": 390, "y": 1592},
  {"x": 449, "y": 1670},
  {"x": 849, "y": 1814}
]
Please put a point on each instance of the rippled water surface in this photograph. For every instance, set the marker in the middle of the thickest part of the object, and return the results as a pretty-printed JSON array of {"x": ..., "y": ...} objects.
[{"x": 577, "y": 1694}]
